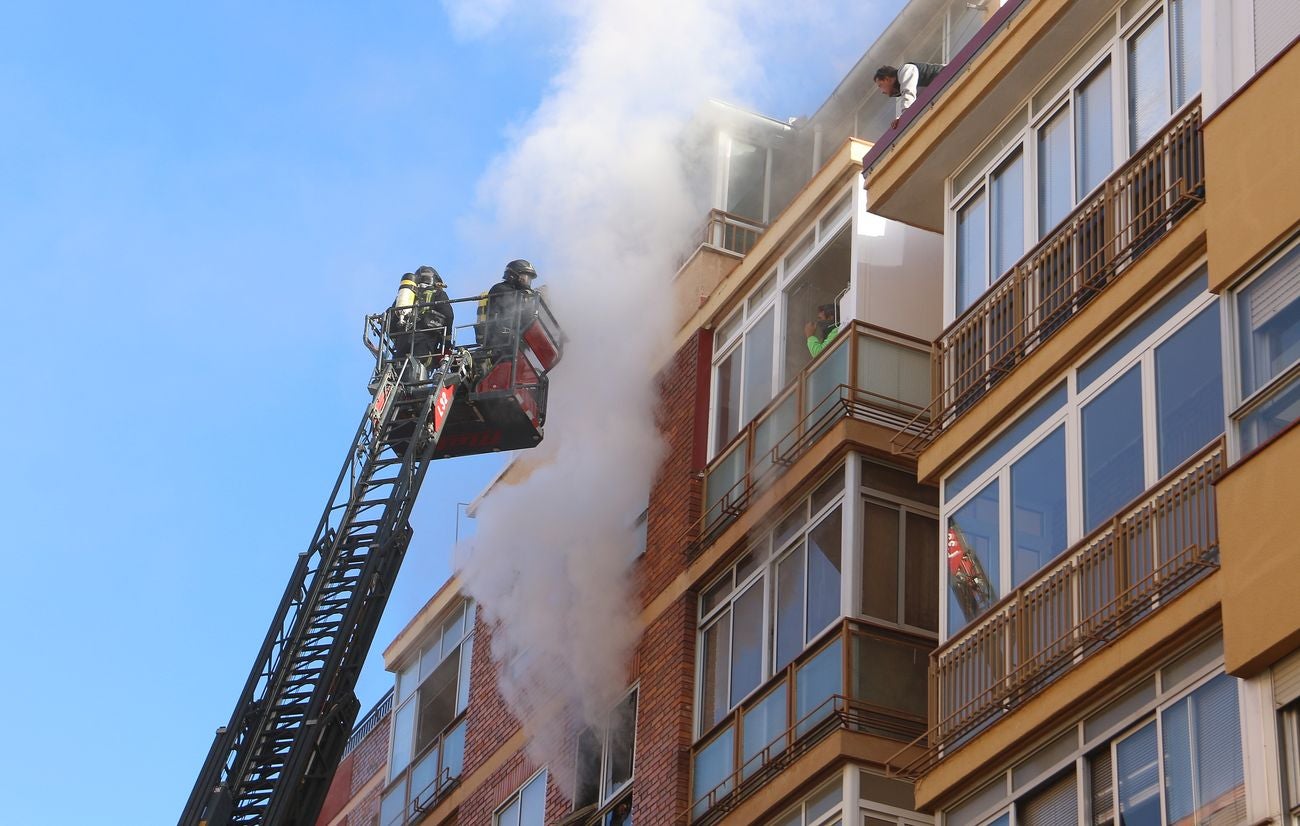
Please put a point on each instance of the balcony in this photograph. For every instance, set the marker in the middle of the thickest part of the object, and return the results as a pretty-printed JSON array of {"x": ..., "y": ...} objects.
[
  {"x": 1089, "y": 251},
  {"x": 372, "y": 719},
  {"x": 1095, "y": 592},
  {"x": 870, "y": 375},
  {"x": 822, "y": 691}
]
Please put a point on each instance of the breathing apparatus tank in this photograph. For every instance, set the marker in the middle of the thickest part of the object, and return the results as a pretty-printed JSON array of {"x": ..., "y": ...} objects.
[{"x": 405, "y": 299}]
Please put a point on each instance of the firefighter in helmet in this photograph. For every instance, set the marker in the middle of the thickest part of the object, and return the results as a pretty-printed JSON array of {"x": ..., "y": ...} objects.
[
  {"x": 423, "y": 316},
  {"x": 499, "y": 313}
]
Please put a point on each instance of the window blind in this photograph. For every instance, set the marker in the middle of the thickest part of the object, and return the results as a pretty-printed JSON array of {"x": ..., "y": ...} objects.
[
  {"x": 1277, "y": 23},
  {"x": 1056, "y": 805}
]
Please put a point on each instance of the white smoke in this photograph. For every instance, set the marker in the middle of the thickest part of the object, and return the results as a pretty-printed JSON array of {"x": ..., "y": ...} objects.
[
  {"x": 597, "y": 181},
  {"x": 596, "y": 185}
]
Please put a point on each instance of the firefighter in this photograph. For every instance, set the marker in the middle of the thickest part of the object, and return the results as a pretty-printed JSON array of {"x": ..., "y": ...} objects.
[
  {"x": 423, "y": 316},
  {"x": 499, "y": 313}
]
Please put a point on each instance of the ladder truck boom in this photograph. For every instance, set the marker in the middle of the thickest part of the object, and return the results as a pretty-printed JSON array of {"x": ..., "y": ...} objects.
[{"x": 272, "y": 764}]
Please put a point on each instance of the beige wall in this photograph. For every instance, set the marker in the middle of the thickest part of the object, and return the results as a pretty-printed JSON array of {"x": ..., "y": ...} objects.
[
  {"x": 1260, "y": 549},
  {"x": 1252, "y": 170}
]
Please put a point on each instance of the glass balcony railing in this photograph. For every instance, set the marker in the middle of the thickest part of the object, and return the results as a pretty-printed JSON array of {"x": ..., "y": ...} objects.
[
  {"x": 869, "y": 374},
  {"x": 1100, "y": 588},
  {"x": 1085, "y": 254},
  {"x": 856, "y": 678}
]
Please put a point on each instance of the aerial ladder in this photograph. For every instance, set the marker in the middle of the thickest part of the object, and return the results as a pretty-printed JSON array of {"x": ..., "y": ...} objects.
[{"x": 272, "y": 764}]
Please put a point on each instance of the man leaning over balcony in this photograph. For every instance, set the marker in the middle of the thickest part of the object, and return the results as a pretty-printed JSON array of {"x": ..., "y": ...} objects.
[
  {"x": 822, "y": 331},
  {"x": 903, "y": 82}
]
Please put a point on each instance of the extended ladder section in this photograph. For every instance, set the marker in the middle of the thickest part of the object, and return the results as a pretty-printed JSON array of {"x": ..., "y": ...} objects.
[{"x": 273, "y": 763}]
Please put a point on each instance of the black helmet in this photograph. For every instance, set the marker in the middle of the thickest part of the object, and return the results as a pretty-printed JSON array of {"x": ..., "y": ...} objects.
[
  {"x": 427, "y": 276},
  {"x": 519, "y": 270}
]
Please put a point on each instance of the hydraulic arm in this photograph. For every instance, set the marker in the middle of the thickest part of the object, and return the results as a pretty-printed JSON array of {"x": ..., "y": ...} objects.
[{"x": 273, "y": 762}]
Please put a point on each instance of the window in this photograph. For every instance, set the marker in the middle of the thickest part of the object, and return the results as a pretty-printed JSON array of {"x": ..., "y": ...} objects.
[
  {"x": 900, "y": 549},
  {"x": 822, "y": 807},
  {"x": 605, "y": 758},
  {"x": 1267, "y": 314},
  {"x": 1289, "y": 724},
  {"x": 746, "y": 185},
  {"x": 428, "y": 739},
  {"x": 762, "y": 346},
  {"x": 1135, "y": 411},
  {"x": 526, "y": 807},
  {"x": 800, "y": 563},
  {"x": 1076, "y": 127},
  {"x": 1183, "y": 766}
]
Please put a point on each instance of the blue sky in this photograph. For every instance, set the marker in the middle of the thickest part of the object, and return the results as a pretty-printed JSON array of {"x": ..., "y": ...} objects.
[{"x": 198, "y": 205}]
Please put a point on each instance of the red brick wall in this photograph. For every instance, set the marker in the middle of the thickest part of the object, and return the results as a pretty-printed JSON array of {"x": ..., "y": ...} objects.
[
  {"x": 491, "y": 722},
  {"x": 664, "y": 717},
  {"x": 355, "y": 770},
  {"x": 675, "y": 497}
]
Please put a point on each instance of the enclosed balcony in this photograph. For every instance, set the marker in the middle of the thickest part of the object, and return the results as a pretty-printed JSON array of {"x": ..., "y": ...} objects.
[
  {"x": 857, "y": 678},
  {"x": 1118, "y": 577},
  {"x": 1089, "y": 251},
  {"x": 868, "y": 374}
]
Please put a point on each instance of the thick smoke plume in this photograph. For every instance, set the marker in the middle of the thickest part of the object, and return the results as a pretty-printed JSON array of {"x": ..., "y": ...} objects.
[{"x": 597, "y": 181}]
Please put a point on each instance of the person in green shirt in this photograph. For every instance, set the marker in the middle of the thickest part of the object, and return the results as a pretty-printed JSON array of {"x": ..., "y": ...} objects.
[{"x": 822, "y": 331}]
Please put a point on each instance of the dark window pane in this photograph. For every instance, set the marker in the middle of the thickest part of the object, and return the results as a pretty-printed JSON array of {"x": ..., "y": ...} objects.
[
  {"x": 437, "y": 702},
  {"x": 824, "y": 570},
  {"x": 1008, "y": 235},
  {"x": 921, "y": 578},
  {"x": 764, "y": 722},
  {"x": 973, "y": 559},
  {"x": 1189, "y": 389},
  {"x": 889, "y": 674},
  {"x": 1038, "y": 508},
  {"x": 713, "y": 764},
  {"x": 1112, "y": 449},
  {"x": 972, "y": 252},
  {"x": 715, "y": 660},
  {"x": 727, "y": 414},
  {"x": 880, "y": 562},
  {"x": 816, "y": 681},
  {"x": 622, "y": 738},
  {"x": 758, "y": 365},
  {"x": 1204, "y": 775},
  {"x": 1054, "y": 196},
  {"x": 1139, "y": 778},
  {"x": 1092, "y": 127},
  {"x": 587, "y": 790},
  {"x": 1054, "y": 805},
  {"x": 747, "y": 642},
  {"x": 789, "y": 607}
]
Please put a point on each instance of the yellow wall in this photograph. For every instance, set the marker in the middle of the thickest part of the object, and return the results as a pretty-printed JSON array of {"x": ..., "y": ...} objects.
[
  {"x": 1252, "y": 170},
  {"x": 1260, "y": 549}
]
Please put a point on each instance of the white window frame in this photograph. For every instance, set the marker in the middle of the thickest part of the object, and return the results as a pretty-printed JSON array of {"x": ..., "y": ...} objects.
[
  {"x": 604, "y": 795},
  {"x": 518, "y": 795},
  {"x": 905, "y": 506},
  {"x": 821, "y": 229},
  {"x": 1238, "y": 407},
  {"x": 1026, "y": 140},
  {"x": 726, "y": 143},
  {"x": 765, "y": 559},
  {"x": 1070, "y": 415}
]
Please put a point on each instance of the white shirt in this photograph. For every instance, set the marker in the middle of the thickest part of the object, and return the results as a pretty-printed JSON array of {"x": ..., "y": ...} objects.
[{"x": 907, "y": 77}]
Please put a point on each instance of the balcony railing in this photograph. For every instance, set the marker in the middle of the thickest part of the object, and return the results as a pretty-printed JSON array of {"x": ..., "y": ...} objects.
[
  {"x": 868, "y": 374},
  {"x": 371, "y": 720},
  {"x": 725, "y": 231},
  {"x": 1095, "y": 592},
  {"x": 1086, "y": 253},
  {"x": 823, "y": 690}
]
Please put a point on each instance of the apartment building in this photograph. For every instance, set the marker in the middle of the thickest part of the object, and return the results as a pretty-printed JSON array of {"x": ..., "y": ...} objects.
[{"x": 1114, "y": 186}]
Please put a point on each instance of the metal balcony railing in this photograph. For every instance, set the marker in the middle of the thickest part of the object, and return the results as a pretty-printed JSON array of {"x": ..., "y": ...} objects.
[
  {"x": 725, "y": 231},
  {"x": 1096, "y": 591},
  {"x": 369, "y": 722},
  {"x": 1088, "y": 251},
  {"x": 850, "y": 701},
  {"x": 868, "y": 373}
]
